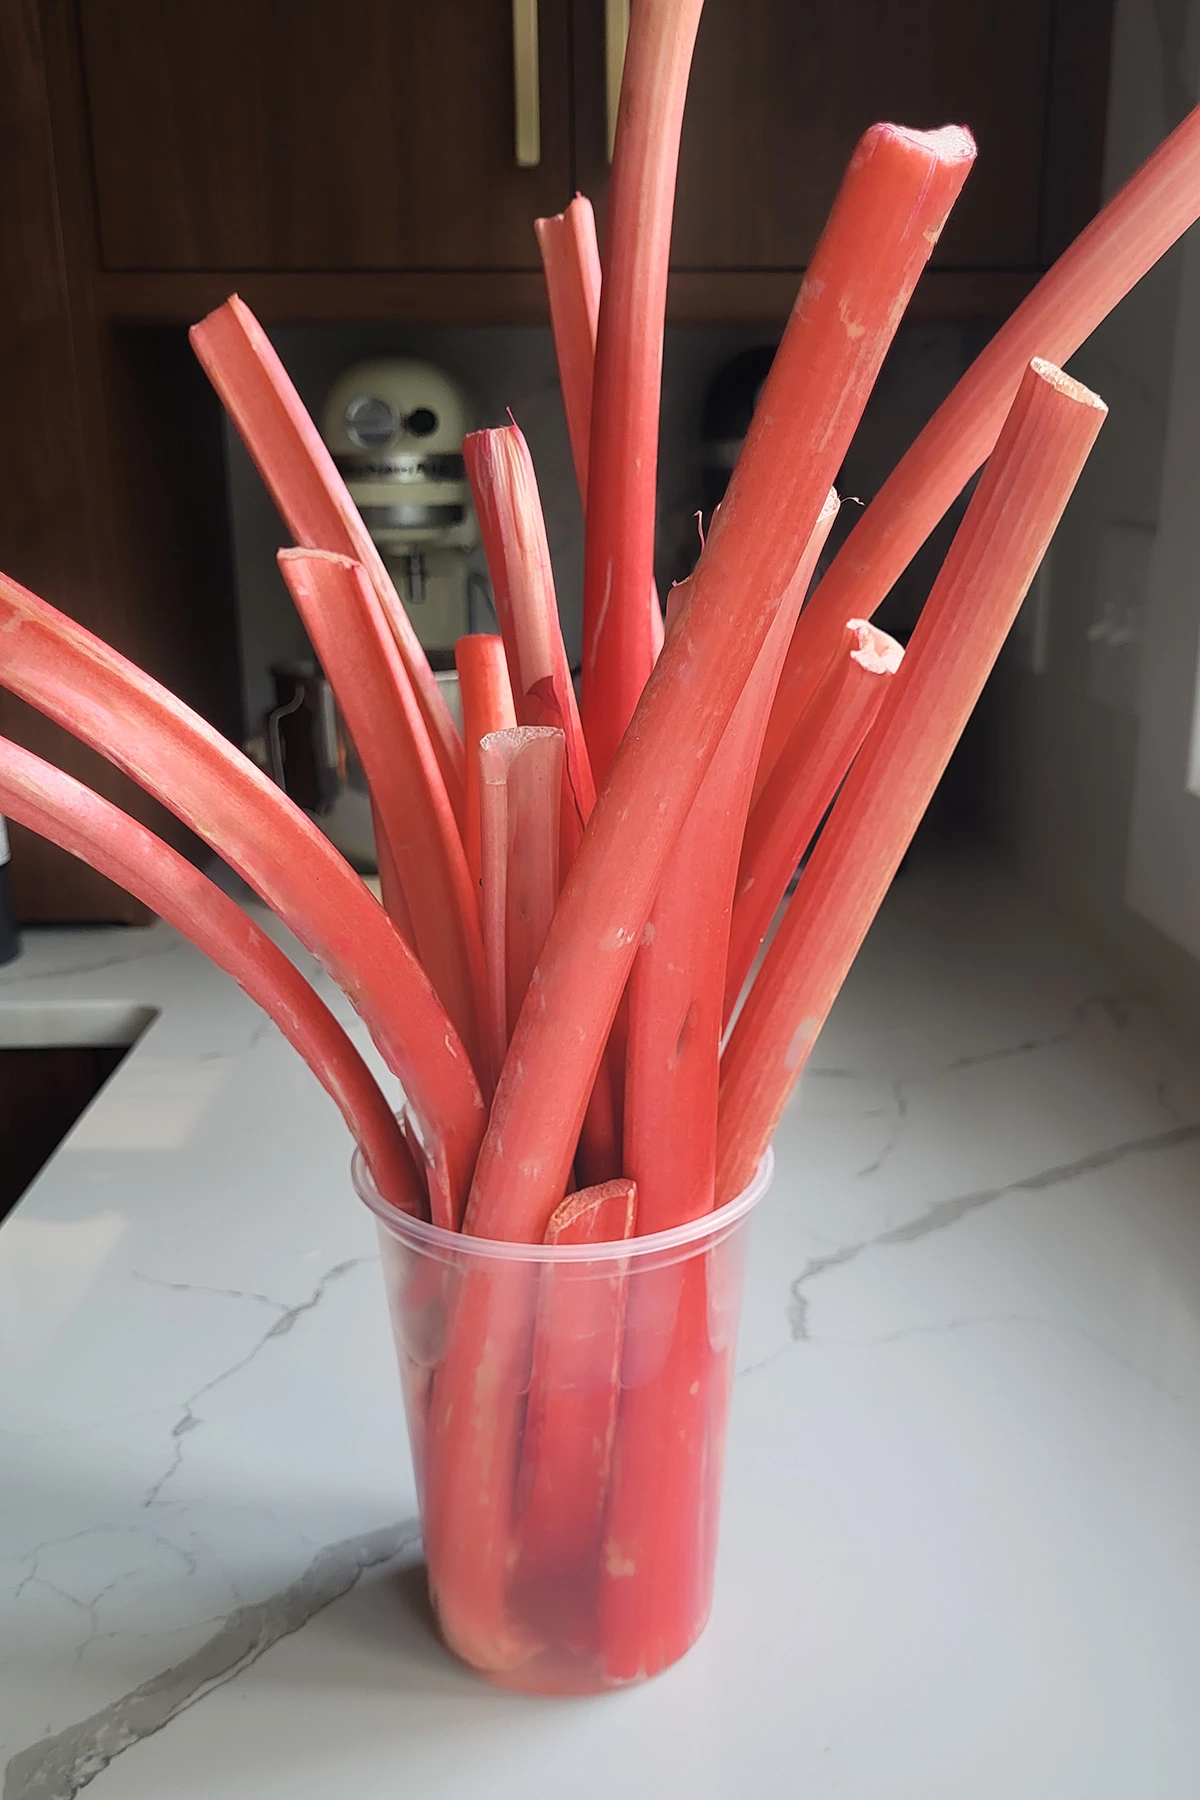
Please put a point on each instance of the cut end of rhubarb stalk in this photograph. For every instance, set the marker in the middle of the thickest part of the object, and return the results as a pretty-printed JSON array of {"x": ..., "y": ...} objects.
[
  {"x": 1066, "y": 384},
  {"x": 949, "y": 143},
  {"x": 875, "y": 651},
  {"x": 596, "y": 1215}
]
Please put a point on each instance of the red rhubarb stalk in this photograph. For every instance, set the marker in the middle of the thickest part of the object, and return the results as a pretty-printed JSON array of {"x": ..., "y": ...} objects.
[
  {"x": 62, "y": 809},
  {"x": 654, "y": 1588},
  {"x": 677, "y": 984},
  {"x": 618, "y": 646},
  {"x": 898, "y": 190},
  {"x": 571, "y": 261},
  {"x": 1050, "y": 429},
  {"x": 487, "y": 705},
  {"x": 1125, "y": 239},
  {"x": 803, "y": 786},
  {"x": 649, "y": 1570},
  {"x": 520, "y": 792},
  {"x": 514, "y": 537},
  {"x": 290, "y": 455},
  {"x": 623, "y": 459},
  {"x": 341, "y": 613},
  {"x": 500, "y": 470},
  {"x": 90, "y": 690},
  {"x": 572, "y": 1411},
  {"x": 897, "y": 193}
]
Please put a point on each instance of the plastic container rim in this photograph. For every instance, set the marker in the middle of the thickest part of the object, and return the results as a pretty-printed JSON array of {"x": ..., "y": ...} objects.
[{"x": 420, "y": 1235}]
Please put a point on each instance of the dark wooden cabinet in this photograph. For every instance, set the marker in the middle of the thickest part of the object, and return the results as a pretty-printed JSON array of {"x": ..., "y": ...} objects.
[
  {"x": 316, "y": 134},
  {"x": 354, "y": 160},
  {"x": 780, "y": 92},
  {"x": 309, "y": 136}
]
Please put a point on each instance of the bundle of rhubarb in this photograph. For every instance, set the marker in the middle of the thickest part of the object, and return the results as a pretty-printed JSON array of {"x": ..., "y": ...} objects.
[{"x": 576, "y": 891}]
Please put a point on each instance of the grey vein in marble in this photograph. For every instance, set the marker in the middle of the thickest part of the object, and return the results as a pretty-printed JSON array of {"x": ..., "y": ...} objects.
[
  {"x": 947, "y": 1212},
  {"x": 1115, "y": 1008},
  {"x": 56, "y": 1768},
  {"x": 288, "y": 1316}
]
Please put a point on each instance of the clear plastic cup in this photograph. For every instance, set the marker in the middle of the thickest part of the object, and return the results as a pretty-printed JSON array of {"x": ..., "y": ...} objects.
[{"x": 567, "y": 1407}]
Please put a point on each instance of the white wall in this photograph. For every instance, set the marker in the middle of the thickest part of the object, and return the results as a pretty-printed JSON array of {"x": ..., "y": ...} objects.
[{"x": 1060, "y": 746}]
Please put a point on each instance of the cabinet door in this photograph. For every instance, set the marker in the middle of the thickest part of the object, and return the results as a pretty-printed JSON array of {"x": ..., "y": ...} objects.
[
  {"x": 780, "y": 92},
  {"x": 317, "y": 134}
]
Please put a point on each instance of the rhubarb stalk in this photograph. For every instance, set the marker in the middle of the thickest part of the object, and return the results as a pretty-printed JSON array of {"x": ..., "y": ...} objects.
[
  {"x": 354, "y": 647},
  {"x": 487, "y": 706},
  {"x": 619, "y": 648},
  {"x": 571, "y": 261},
  {"x": 89, "y": 689},
  {"x": 514, "y": 536},
  {"x": 572, "y": 1411},
  {"x": 1125, "y": 239},
  {"x": 62, "y": 809},
  {"x": 500, "y": 470},
  {"x": 520, "y": 791},
  {"x": 1050, "y": 429},
  {"x": 676, "y": 987},
  {"x": 803, "y": 786},
  {"x": 652, "y": 1544},
  {"x": 290, "y": 455},
  {"x": 897, "y": 193}
]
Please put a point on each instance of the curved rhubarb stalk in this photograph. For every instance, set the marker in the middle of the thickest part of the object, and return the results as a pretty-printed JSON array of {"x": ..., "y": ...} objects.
[
  {"x": 1125, "y": 239},
  {"x": 520, "y": 790},
  {"x": 290, "y": 455},
  {"x": 571, "y": 260},
  {"x": 618, "y": 646},
  {"x": 1050, "y": 429},
  {"x": 354, "y": 647},
  {"x": 90, "y": 690},
  {"x": 803, "y": 786},
  {"x": 62, "y": 809},
  {"x": 897, "y": 193},
  {"x": 487, "y": 705}
]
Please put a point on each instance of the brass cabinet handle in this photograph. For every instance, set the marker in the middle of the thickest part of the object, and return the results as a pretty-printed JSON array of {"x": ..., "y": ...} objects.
[
  {"x": 527, "y": 97},
  {"x": 616, "y": 31}
]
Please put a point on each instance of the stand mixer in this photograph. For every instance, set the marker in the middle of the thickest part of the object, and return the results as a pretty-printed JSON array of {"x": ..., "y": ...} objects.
[{"x": 395, "y": 427}]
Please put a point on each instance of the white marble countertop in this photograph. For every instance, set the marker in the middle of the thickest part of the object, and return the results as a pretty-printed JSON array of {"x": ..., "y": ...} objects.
[{"x": 960, "y": 1548}]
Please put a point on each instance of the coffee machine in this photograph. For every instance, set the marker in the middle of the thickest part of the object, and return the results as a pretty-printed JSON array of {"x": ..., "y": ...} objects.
[{"x": 395, "y": 427}]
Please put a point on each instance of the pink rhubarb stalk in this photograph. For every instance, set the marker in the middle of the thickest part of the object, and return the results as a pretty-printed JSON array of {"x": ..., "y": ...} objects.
[
  {"x": 1050, "y": 429},
  {"x": 487, "y": 705},
  {"x": 60, "y": 808},
  {"x": 290, "y": 455},
  {"x": 1125, "y": 239},
  {"x": 90, "y": 690},
  {"x": 519, "y": 797},
  {"x": 514, "y": 537},
  {"x": 354, "y": 647},
  {"x": 569, "y": 1422},
  {"x": 803, "y": 786},
  {"x": 898, "y": 190},
  {"x": 676, "y": 988},
  {"x": 500, "y": 470},
  {"x": 571, "y": 261},
  {"x": 618, "y": 647}
]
